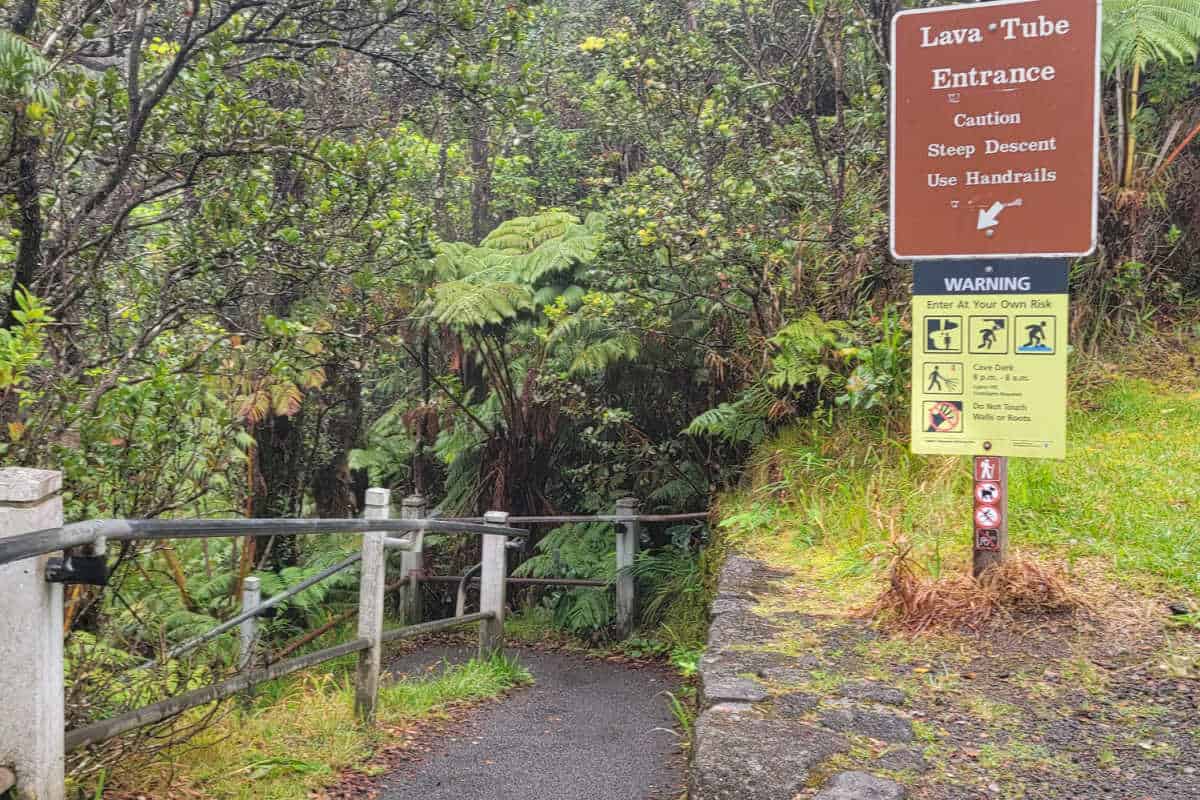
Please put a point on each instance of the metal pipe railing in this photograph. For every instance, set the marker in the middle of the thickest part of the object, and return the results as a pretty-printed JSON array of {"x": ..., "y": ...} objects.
[
  {"x": 79, "y": 534},
  {"x": 230, "y": 624},
  {"x": 378, "y": 526},
  {"x": 438, "y": 625},
  {"x": 460, "y": 597},
  {"x": 463, "y": 580},
  {"x": 107, "y": 729},
  {"x": 563, "y": 519}
]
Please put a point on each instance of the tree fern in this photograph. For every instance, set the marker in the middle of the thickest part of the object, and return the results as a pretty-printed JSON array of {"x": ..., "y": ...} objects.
[
  {"x": 600, "y": 355},
  {"x": 1139, "y": 32},
  {"x": 802, "y": 350},
  {"x": 389, "y": 447},
  {"x": 576, "y": 245},
  {"x": 582, "y": 611},
  {"x": 670, "y": 575},
  {"x": 577, "y": 551},
  {"x": 571, "y": 294},
  {"x": 496, "y": 281},
  {"x": 590, "y": 345}
]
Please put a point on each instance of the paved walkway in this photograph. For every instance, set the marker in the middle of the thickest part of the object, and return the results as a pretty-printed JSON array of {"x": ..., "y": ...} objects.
[{"x": 586, "y": 730}]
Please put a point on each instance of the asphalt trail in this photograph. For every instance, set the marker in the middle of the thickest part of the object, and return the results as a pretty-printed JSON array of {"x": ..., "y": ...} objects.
[{"x": 586, "y": 730}]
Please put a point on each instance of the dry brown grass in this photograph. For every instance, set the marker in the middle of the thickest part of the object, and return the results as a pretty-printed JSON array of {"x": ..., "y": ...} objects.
[{"x": 915, "y": 602}]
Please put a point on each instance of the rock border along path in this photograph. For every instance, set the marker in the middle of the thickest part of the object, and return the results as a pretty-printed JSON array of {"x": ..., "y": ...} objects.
[
  {"x": 753, "y": 744},
  {"x": 803, "y": 704},
  {"x": 588, "y": 729}
]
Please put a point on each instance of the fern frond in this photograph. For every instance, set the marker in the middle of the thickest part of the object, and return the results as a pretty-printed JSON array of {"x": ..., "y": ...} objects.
[
  {"x": 470, "y": 304},
  {"x": 585, "y": 610},
  {"x": 596, "y": 357},
  {"x": 1138, "y": 32},
  {"x": 577, "y": 245},
  {"x": 524, "y": 234},
  {"x": 741, "y": 422}
]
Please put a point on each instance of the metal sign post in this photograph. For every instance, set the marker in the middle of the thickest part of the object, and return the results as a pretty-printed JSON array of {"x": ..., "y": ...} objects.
[{"x": 991, "y": 512}]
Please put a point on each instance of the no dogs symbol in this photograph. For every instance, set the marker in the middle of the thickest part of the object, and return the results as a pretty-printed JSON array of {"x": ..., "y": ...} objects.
[{"x": 988, "y": 493}]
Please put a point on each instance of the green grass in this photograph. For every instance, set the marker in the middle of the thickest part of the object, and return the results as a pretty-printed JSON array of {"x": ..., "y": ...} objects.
[
  {"x": 1126, "y": 497},
  {"x": 302, "y": 733},
  {"x": 1129, "y": 491}
]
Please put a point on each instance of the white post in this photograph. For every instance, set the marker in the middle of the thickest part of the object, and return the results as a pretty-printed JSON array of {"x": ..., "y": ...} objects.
[
  {"x": 629, "y": 536},
  {"x": 412, "y": 562},
  {"x": 370, "y": 606},
  {"x": 492, "y": 583},
  {"x": 251, "y": 598},
  {"x": 31, "y": 641}
]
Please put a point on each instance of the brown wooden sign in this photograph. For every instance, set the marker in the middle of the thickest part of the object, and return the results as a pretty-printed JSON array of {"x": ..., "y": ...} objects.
[{"x": 995, "y": 130}]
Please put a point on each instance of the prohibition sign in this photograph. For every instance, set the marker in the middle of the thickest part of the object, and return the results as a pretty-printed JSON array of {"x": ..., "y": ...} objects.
[
  {"x": 987, "y": 517},
  {"x": 988, "y": 493}
]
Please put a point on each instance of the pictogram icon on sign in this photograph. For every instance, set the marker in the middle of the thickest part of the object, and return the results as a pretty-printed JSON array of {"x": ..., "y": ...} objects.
[
  {"x": 944, "y": 378},
  {"x": 987, "y": 517},
  {"x": 988, "y": 540},
  {"x": 943, "y": 335},
  {"x": 988, "y": 493},
  {"x": 987, "y": 469},
  {"x": 944, "y": 416},
  {"x": 1035, "y": 335},
  {"x": 988, "y": 336}
]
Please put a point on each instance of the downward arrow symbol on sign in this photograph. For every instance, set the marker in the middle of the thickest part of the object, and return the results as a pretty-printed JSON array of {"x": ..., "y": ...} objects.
[{"x": 987, "y": 219}]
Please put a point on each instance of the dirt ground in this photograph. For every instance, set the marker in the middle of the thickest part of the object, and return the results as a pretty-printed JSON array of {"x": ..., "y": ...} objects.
[{"x": 1096, "y": 703}]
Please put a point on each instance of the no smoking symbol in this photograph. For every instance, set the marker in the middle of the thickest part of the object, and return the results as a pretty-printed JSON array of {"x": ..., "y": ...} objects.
[
  {"x": 987, "y": 517},
  {"x": 988, "y": 493}
]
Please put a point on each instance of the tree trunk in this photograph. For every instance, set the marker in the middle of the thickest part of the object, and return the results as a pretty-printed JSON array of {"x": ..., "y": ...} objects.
[
  {"x": 422, "y": 463},
  {"x": 26, "y": 193},
  {"x": 481, "y": 187},
  {"x": 333, "y": 486},
  {"x": 1131, "y": 129},
  {"x": 278, "y": 490}
]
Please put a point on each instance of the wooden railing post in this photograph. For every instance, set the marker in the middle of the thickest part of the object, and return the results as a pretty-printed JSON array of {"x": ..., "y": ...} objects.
[
  {"x": 370, "y": 606},
  {"x": 492, "y": 584},
  {"x": 629, "y": 535},
  {"x": 251, "y": 598},
  {"x": 31, "y": 641},
  {"x": 412, "y": 561}
]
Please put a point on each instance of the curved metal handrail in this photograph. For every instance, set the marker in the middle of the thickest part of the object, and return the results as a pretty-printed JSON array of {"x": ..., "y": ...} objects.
[
  {"x": 80, "y": 534},
  {"x": 460, "y": 599}
]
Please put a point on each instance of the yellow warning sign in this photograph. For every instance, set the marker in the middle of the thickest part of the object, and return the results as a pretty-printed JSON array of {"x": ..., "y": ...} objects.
[{"x": 989, "y": 373}]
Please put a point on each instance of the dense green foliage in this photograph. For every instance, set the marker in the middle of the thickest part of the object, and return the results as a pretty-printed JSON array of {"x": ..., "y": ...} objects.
[{"x": 525, "y": 255}]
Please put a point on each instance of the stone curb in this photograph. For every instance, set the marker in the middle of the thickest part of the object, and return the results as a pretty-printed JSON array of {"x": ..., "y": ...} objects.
[{"x": 750, "y": 746}]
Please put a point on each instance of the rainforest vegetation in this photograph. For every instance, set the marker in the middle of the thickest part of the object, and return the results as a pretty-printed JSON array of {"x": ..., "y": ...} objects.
[{"x": 534, "y": 256}]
